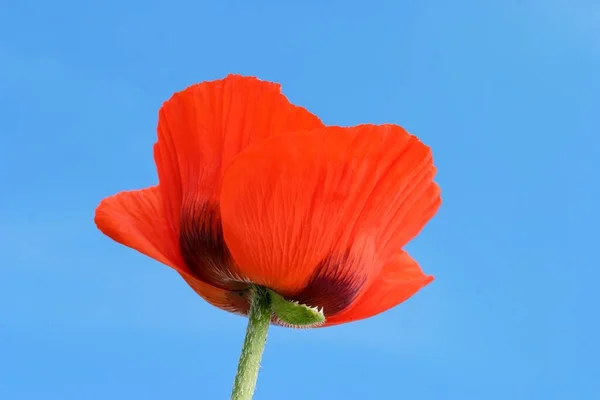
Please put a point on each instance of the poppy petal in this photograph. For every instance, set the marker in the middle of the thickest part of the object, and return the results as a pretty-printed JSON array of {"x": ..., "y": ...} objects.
[
  {"x": 200, "y": 130},
  {"x": 315, "y": 215},
  {"x": 135, "y": 219},
  {"x": 398, "y": 281}
]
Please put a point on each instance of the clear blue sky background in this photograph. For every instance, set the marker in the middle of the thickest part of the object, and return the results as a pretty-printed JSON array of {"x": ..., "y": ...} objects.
[{"x": 507, "y": 93}]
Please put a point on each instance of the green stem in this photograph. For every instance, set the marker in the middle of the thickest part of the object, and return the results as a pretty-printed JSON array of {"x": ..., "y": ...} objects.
[{"x": 259, "y": 318}]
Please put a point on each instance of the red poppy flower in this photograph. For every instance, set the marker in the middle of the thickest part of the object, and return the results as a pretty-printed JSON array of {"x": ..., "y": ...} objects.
[{"x": 255, "y": 190}]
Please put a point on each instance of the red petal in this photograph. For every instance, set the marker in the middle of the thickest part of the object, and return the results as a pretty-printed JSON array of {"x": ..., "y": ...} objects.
[
  {"x": 314, "y": 215},
  {"x": 200, "y": 131},
  {"x": 398, "y": 281},
  {"x": 136, "y": 219}
]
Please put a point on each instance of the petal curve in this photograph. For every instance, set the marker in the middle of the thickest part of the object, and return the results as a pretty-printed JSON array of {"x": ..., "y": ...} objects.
[
  {"x": 400, "y": 279},
  {"x": 315, "y": 215},
  {"x": 136, "y": 220}
]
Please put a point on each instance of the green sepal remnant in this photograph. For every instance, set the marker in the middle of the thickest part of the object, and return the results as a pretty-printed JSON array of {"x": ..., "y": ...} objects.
[{"x": 294, "y": 314}]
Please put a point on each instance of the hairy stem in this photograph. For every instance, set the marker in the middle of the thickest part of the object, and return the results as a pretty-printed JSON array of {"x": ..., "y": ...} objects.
[{"x": 259, "y": 319}]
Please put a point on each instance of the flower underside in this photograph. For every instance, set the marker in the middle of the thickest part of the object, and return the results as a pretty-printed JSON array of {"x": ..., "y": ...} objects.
[{"x": 206, "y": 255}]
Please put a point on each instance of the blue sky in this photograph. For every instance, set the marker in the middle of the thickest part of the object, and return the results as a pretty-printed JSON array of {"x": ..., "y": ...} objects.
[{"x": 506, "y": 93}]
